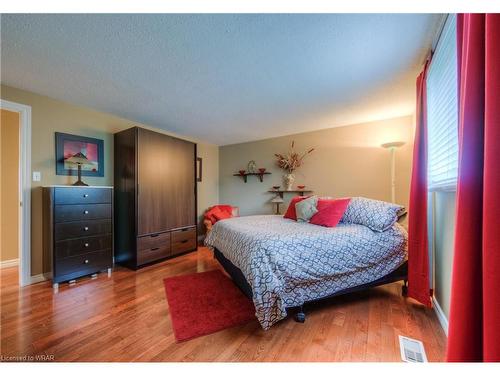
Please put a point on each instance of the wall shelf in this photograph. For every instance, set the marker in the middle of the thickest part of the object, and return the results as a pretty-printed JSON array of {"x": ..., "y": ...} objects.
[
  {"x": 297, "y": 191},
  {"x": 245, "y": 176}
]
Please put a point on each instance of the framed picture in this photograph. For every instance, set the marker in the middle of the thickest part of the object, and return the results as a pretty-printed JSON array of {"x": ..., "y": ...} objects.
[
  {"x": 92, "y": 149},
  {"x": 199, "y": 166}
]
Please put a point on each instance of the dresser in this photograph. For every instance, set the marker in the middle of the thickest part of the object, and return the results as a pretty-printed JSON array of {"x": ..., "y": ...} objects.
[
  {"x": 155, "y": 197},
  {"x": 78, "y": 230}
]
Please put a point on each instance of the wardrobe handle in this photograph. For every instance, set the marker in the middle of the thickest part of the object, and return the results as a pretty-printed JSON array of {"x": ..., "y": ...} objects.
[
  {"x": 85, "y": 212},
  {"x": 86, "y": 229},
  {"x": 86, "y": 261},
  {"x": 86, "y": 244},
  {"x": 85, "y": 195},
  {"x": 155, "y": 235},
  {"x": 155, "y": 248},
  {"x": 184, "y": 241}
]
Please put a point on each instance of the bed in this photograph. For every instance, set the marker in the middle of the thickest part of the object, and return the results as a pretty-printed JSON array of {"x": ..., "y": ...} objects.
[{"x": 282, "y": 264}]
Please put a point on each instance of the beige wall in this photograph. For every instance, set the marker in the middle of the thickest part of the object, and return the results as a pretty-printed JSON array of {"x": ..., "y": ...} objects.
[
  {"x": 49, "y": 116},
  {"x": 9, "y": 182},
  {"x": 348, "y": 161}
]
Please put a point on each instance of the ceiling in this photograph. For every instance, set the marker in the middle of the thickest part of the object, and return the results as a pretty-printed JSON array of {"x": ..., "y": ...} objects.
[{"x": 223, "y": 78}]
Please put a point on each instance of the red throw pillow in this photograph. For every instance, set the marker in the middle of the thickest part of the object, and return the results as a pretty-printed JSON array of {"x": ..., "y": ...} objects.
[
  {"x": 330, "y": 211},
  {"x": 290, "y": 212},
  {"x": 221, "y": 215},
  {"x": 226, "y": 207},
  {"x": 210, "y": 214}
]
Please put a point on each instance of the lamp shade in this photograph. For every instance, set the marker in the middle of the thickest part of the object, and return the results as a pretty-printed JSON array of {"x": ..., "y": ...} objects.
[{"x": 78, "y": 158}]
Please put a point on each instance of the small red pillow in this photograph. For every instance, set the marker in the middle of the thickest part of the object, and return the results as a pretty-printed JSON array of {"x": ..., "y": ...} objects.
[
  {"x": 226, "y": 207},
  {"x": 330, "y": 211},
  {"x": 221, "y": 215},
  {"x": 290, "y": 212},
  {"x": 210, "y": 215}
]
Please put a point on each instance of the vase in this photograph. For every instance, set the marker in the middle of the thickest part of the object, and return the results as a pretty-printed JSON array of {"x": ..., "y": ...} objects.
[{"x": 288, "y": 180}]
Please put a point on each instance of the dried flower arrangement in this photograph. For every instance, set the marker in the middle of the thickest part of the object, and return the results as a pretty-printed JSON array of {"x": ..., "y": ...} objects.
[{"x": 292, "y": 160}]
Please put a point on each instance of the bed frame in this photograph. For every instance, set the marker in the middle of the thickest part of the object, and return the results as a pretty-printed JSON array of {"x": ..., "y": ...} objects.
[{"x": 401, "y": 273}]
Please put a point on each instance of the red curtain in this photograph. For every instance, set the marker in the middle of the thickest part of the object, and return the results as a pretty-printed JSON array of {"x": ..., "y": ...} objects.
[
  {"x": 418, "y": 255},
  {"x": 474, "y": 325}
]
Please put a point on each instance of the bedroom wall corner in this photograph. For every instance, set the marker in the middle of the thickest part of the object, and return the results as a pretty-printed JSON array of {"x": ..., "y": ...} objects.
[
  {"x": 348, "y": 161},
  {"x": 208, "y": 187}
]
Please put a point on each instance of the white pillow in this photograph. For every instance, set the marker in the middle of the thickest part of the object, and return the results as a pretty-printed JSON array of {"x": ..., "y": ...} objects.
[{"x": 305, "y": 209}]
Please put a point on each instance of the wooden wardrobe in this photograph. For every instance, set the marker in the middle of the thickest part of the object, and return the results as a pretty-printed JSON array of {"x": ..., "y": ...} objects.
[{"x": 155, "y": 196}]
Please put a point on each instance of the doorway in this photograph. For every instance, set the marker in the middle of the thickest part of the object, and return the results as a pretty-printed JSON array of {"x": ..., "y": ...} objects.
[{"x": 15, "y": 188}]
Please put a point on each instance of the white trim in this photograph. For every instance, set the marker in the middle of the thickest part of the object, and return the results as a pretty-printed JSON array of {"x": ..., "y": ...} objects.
[
  {"x": 24, "y": 188},
  {"x": 39, "y": 278},
  {"x": 9, "y": 263},
  {"x": 440, "y": 28},
  {"x": 440, "y": 314}
]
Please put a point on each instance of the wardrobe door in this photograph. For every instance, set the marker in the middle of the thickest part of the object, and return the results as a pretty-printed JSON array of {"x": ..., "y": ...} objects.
[
  {"x": 182, "y": 183},
  {"x": 155, "y": 163}
]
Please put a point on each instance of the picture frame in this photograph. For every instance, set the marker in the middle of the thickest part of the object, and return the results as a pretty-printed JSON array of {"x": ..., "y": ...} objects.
[
  {"x": 199, "y": 169},
  {"x": 68, "y": 145}
]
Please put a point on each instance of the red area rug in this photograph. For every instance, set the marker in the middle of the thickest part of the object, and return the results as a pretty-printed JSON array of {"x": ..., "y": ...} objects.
[{"x": 203, "y": 303}]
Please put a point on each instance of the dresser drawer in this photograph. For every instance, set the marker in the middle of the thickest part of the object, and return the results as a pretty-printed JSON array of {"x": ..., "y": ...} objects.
[
  {"x": 90, "y": 262},
  {"x": 76, "y": 195},
  {"x": 73, "y": 212},
  {"x": 183, "y": 240},
  {"x": 154, "y": 240},
  {"x": 75, "y": 229},
  {"x": 183, "y": 234},
  {"x": 149, "y": 255},
  {"x": 83, "y": 245},
  {"x": 153, "y": 247}
]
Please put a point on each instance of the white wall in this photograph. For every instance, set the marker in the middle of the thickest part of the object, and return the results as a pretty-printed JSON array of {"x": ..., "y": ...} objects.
[{"x": 443, "y": 240}]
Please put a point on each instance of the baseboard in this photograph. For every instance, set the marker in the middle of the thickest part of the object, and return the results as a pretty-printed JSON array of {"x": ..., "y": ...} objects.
[
  {"x": 40, "y": 277},
  {"x": 440, "y": 314},
  {"x": 32, "y": 279},
  {"x": 9, "y": 263}
]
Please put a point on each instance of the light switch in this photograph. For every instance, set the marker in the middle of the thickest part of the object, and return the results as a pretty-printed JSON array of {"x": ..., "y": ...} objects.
[{"x": 37, "y": 176}]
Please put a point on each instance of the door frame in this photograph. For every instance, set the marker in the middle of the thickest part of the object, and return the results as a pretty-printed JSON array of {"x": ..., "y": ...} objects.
[{"x": 24, "y": 112}]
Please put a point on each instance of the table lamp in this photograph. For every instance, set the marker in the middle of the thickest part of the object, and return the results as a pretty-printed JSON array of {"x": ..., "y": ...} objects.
[
  {"x": 277, "y": 200},
  {"x": 79, "y": 159}
]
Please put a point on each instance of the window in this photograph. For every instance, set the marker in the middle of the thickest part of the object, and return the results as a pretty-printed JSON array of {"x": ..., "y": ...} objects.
[{"x": 442, "y": 111}]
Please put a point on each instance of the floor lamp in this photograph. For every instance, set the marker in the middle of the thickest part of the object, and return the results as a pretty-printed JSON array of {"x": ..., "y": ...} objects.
[{"x": 392, "y": 146}]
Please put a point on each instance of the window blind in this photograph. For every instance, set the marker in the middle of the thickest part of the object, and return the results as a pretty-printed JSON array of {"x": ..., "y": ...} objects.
[{"x": 442, "y": 111}]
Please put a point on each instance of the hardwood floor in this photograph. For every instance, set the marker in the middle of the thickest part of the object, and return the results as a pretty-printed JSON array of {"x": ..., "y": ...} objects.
[{"x": 125, "y": 318}]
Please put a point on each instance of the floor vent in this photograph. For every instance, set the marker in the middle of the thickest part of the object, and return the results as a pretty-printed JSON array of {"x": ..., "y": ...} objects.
[{"x": 412, "y": 350}]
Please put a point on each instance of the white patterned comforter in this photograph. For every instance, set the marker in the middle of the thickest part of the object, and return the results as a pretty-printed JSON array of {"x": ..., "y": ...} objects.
[{"x": 288, "y": 263}]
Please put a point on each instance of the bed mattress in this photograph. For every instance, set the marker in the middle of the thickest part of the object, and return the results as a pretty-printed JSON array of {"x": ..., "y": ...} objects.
[{"x": 288, "y": 263}]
